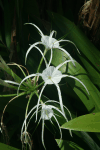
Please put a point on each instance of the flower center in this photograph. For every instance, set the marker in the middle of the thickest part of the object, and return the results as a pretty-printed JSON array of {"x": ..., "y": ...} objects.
[
  {"x": 49, "y": 77},
  {"x": 46, "y": 112}
]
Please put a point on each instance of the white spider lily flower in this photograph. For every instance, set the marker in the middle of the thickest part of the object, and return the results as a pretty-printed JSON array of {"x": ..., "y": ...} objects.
[
  {"x": 51, "y": 75},
  {"x": 46, "y": 114},
  {"x": 49, "y": 42}
]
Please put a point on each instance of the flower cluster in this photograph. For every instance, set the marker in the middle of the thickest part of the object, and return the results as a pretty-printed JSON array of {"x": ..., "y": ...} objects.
[{"x": 50, "y": 75}]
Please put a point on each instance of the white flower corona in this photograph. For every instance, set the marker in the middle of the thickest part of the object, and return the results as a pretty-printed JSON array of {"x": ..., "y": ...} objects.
[
  {"x": 51, "y": 77},
  {"x": 46, "y": 112}
]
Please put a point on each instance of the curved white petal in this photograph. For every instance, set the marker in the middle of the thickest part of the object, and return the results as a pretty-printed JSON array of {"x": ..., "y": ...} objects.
[
  {"x": 60, "y": 98},
  {"x": 50, "y": 58},
  {"x": 33, "y": 45},
  {"x": 67, "y": 54},
  {"x": 32, "y": 117},
  {"x": 60, "y": 65},
  {"x": 59, "y": 111},
  {"x": 38, "y": 74},
  {"x": 26, "y": 118},
  {"x": 71, "y": 43},
  {"x": 77, "y": 80},
  {"x": 43, "y": 133},
  {"x": 51, "y": 34},
  {"x": 42, "y": 55},
  {"x": 41, "y": 33},
  {"x": 12, "y": 82},
  {"x": 59, "y": 128},
  {"x": 50, "y": 37},
  {"x": 39, "y": 99},
  {"x": 29, "y": 119}
]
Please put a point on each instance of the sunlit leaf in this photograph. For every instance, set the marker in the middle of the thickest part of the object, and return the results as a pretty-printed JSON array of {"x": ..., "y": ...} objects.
[
  {"x": 6, "y": 147},
  {"x": 88, "y": 123}
]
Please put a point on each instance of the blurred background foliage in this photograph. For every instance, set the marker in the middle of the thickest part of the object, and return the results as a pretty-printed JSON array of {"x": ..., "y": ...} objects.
[{"x": 78, "y": 21}]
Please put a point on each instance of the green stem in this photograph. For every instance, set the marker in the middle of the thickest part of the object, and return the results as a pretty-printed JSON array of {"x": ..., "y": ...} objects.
[
  {"x": 38, "y": 86},
  {"x": 28, "y": 103},
  {"x": 45, "y": 51},
  {"x": 28, "y": 106},
  {"x": 8, "y": 95}
]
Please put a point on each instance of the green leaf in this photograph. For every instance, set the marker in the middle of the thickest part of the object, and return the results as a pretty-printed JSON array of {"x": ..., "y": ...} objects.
[
  {"x": 90, "y": 142},
  {"x": 81, "y": 74},
  {"x": 88, "y": 123},
  {"x": 64, "y": 145},
  {"x": 4, "y": 67},
  {"x": 6, "y": 147}
]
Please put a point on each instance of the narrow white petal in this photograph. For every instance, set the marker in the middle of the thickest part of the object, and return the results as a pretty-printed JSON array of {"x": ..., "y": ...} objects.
[
  {"x": 71, "y": 43},
  {"x": 33, "y": 45},
  {"x": 77, "y": 80},
  {"x": 59, "y": 128},
  {"x": 7, "y": 81},
  {"x": 26, "y": 118},
  {"x": 41, "y": 33},
  {"x": 60, "y": 98},
  {"x": 50, "y": 58},
  {"x": 32, "y": 117},
  {"x": 39, "y": 99},
  {"x": 43, "y": 133},
  {"x": 60, "y": 65},
  {"x": 22, "y": 129},
  {"x": 42, "y": 55},
  {"x": 51, "y": 34},
  {"x": 67, "y": 54},
  {"x": 38, "y": 74}
]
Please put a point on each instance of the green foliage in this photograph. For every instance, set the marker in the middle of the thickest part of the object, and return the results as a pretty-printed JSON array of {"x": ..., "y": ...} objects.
[
  {"x": 14, "y": 42},
  {"x": 7, "y": 147},
  {"x": 88, "y": 123}
]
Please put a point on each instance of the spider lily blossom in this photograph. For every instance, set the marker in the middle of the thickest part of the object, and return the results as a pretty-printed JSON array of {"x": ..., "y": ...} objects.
[
  {"x": 49, "y": 42},
  {"x": 51, "y": 75},
  {"x": 47, "y": 112}
]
